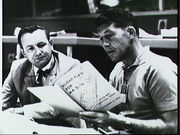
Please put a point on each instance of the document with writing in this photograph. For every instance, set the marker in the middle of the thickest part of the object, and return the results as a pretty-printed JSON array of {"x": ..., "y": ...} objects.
[{"x": 82, "y": 88}]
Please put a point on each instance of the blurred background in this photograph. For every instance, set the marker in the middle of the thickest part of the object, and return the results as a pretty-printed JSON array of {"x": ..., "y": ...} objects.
[{"x": 77, "y": 16}]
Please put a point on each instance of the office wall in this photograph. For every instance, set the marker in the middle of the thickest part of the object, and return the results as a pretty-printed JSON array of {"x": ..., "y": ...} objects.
[{"x": 83, "y": 26}]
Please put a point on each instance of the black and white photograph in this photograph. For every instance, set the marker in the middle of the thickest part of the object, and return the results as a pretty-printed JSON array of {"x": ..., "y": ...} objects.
[{"x": 98, "y": 67}]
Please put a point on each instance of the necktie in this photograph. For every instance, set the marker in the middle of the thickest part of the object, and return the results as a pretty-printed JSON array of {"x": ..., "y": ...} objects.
[{"x": 42, "y": 74}]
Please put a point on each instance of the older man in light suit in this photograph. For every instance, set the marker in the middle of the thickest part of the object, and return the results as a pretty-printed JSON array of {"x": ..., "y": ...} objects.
[{"x": 42, "y": 66}]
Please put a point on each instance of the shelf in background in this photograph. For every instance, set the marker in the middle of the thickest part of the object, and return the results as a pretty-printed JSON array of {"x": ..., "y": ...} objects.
[
  {"x": 169, "y": 43},
  {"x": 154, "y": 13},
  {"x": 94, "y": 15}
]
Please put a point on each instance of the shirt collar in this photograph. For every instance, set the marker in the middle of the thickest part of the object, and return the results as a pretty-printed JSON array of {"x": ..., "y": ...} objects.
[
  {"x": 46, "y": 67},
  {"x": 139, "y": 60}
]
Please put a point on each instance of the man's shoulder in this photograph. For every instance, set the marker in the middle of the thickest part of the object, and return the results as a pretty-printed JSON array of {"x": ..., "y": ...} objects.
[
  {"x": 159, "y": 68},
  {"x": 158, "y": 62},
  {"x": 19, "y": 63},
  {"x": 62, "y": 58},
  {"x": 66, "y": 63}
]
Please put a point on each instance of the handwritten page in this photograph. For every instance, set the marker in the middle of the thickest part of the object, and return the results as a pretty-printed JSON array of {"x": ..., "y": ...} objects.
[{"x": 89, "y": 88}]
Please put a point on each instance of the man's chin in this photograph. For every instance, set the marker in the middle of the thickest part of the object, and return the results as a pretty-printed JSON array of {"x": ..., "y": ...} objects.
[
  {"x": 40, "y": 65},
  {"x": 113, "y": 59}
]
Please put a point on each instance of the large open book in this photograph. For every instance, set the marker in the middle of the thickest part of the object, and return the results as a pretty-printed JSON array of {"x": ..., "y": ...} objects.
[{"x": 82, "y": 88}]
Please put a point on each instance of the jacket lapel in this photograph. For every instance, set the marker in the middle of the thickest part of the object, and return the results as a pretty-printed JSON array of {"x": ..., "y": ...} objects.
[
  {"x": 53, "y": 76},
  {"x": 29, "y": 77}
]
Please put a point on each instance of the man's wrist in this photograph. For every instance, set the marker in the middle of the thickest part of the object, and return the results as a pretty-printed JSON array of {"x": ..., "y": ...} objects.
[
  {"x": 123, "y": 122},
  {"x": 128, "y": 125}
]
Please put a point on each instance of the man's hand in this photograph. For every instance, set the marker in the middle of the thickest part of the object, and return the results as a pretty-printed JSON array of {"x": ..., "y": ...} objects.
[
  {"x": 104, "y": 119},
  {"x": 18, "y": 110},
  {"x": 100, "y": 118}
]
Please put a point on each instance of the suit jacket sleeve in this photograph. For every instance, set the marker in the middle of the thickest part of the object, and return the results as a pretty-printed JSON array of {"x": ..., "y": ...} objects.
[
  {"x": 9, "y": 95},
  {"x": 40, "y": 111}
]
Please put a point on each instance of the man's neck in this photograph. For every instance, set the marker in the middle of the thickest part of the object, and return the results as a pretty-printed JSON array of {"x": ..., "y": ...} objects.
[
  {"x": 48, "y": 66},
  {"x": 132, "y": 53}
]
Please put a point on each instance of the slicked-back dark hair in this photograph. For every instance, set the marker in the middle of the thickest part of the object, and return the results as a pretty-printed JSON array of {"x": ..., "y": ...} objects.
[
  {"x": 30, "y": 29},
  {"x": 120, "y": 17}
]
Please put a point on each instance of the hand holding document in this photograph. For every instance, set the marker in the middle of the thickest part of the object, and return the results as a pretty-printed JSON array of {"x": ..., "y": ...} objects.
[{"x": 82, "y": 88}]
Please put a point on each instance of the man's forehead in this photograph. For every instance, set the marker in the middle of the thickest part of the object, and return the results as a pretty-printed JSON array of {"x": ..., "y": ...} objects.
[
  {"x": 104, "y": 27},
  {"x": 37, "y": 32},
  {"x": 34, "y": 37}
]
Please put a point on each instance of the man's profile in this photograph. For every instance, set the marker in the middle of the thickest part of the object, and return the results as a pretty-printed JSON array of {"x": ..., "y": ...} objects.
[{"x": 148, "y": 80}]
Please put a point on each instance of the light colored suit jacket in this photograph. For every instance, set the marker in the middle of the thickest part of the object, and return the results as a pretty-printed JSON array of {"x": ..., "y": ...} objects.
[{"x": 22, "y": 76}]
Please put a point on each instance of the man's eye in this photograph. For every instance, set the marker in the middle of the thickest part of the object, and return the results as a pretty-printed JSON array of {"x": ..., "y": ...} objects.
[
  {"x": 30, "y": 48},
  {"x": 108, "y": 36},
  {"x": 95, "y": 35}
]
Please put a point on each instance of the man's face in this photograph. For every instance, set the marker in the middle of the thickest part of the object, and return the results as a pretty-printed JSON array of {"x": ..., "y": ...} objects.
[
  {"x": 37, "y": 48},
  {"x": 115, "y": 41}
]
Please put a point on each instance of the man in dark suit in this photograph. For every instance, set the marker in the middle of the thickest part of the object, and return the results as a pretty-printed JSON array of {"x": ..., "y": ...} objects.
[{"x": 42, "y": 66}]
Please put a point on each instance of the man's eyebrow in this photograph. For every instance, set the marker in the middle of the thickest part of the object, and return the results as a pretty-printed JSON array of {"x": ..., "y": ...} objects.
[
  {"x": 108, "y": 31},
  {"x": 96, "y": 35},
  {"x": 41, "y": 43}
]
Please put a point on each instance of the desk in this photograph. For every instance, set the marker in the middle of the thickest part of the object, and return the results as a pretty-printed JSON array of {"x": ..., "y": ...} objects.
[{"x": 18, "y": 124}]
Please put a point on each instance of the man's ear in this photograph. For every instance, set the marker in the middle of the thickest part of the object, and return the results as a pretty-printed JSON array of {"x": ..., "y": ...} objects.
[
  {"x": 131, "y": 32},
  {"x": 51, "y": 43},
  {"x": 22, "y": 52}
]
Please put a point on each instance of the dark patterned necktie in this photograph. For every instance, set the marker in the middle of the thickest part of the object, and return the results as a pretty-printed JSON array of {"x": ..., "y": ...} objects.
[{"x": 42, "y": 74}]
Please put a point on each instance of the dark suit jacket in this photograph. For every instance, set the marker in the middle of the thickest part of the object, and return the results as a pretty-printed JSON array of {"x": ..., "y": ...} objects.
[{"x": 22, "y": 76}]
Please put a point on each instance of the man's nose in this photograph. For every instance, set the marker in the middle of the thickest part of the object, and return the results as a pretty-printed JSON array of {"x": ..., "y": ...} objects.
[
  {"x": 105, "y": 44},
  {"x": 38, "y": 51}
]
